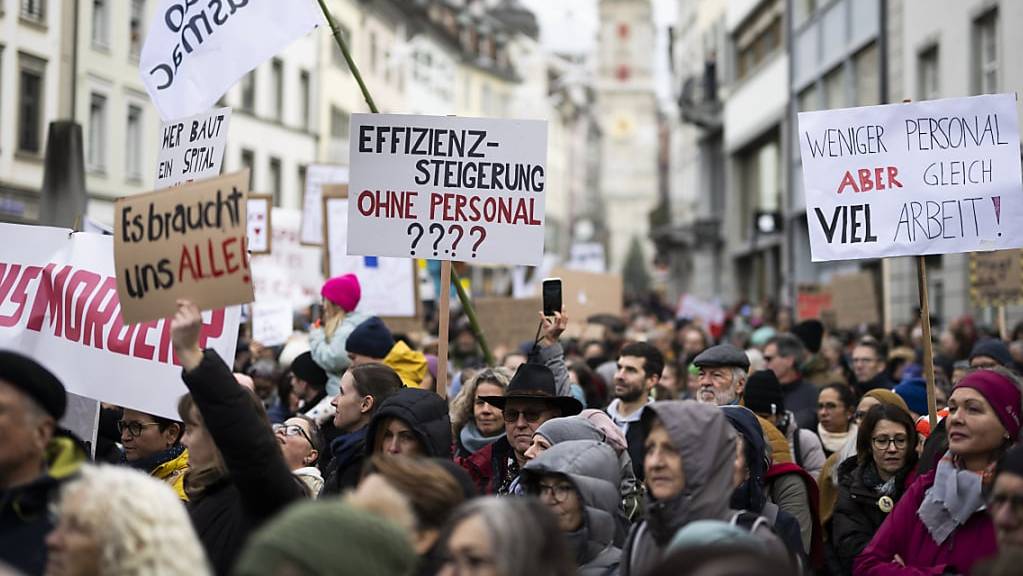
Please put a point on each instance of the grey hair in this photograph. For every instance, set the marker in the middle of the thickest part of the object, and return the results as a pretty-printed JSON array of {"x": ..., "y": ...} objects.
[
  {"x": 738, "y": 375},
  {"x": 789, "y": 346}
]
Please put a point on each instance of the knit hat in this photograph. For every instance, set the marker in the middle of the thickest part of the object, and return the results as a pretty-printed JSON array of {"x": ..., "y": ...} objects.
[
  {"x": 294, "y": 542},
  {"x": 887, "y": 397},
  {"x": 810, "y": 332},
  {"x": 1001, "y": 393},
  {"x": 763, "y": 393},
  {"x": 305, "y": 368},
  {"x": 992, "y": 348},
  {"x": 343, "y": 291},
  {"x": 371, "y": 338},
  {"x": 914, "y": 392},
  {"x": 33, "y": 380}
]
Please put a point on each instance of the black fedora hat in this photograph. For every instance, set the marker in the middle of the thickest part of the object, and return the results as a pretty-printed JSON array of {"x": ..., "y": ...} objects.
[{"x": 535, "y": 382}]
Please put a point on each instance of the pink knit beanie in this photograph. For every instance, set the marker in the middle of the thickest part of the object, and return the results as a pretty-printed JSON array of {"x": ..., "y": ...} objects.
[{"x": 343, "y": 291}]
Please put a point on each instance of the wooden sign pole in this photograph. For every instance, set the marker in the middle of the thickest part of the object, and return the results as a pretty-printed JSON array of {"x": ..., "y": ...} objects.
[
  {"x": 442, "y": 345},
  {"x": 1003, "y": 326},
  {"x": 925, "y": 323}
]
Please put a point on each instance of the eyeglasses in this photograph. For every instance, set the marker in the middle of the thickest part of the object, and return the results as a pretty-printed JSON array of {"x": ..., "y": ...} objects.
[
  {"x": 882, "y": 442},
  {"x": 292, "y": 430},
  {"x": 134, "y": 427},
  {"x": 1015, "y": 502},
  {"x": 531, "y": 416},
  {"x": 558, "y": 492}
]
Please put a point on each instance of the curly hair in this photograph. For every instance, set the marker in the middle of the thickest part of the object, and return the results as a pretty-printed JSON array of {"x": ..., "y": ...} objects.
[
  {"x": 462, "y": 405},
  {"x": 139, "y": 522}
]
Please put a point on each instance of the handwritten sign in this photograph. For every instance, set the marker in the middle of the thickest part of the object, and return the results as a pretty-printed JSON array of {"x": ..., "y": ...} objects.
[
  {"x": 316, "y": 177},
  {"x": 447, "y": 188},
  {"x": 188, "y": 242},
  {"x": 192, "y": 148},
  {"x": 292, "y": 271},
  {"x": 260, "y": 223},
  {"x": 935, "y": 177},
  {"x": 272, "y": 322},
  {"x": 996, "y": 278}
]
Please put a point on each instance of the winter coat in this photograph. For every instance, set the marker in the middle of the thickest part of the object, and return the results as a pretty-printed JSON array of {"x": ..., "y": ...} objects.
[
  {"x": 810, "y": 454},
  {"x": 311, "y": 478},
  {"x": 489, "y": 465},
  {"x": 795, "y": 492},
  {"x": 408, "y": 363},
  {"x": 857, "y": 514},
  {"x": 801, "y": 400},
  {"x": 592, "y": 468},
  {"x": 25, "y": 511},
  {"x": 424, "y": 412},
  {"x": 345, "y": 468},
  {"x": 904, "y": 534},
  {"x": 330, "y": 353},
  {"x": 173, "y": 473},
  {"x": 258, "y": 484},
  {"x": 880, "y": 381}
]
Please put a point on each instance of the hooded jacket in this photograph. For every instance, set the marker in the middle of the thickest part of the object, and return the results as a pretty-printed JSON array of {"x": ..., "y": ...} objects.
[
  {"x": 173, "y": 473},
  {"x": 857, "y": 514},
  {"x": 424, "y": 412},
  {"x": 409, "y": 364},
  {"x": 330, "y": 353},
  {"x": 592, "y": 468}
]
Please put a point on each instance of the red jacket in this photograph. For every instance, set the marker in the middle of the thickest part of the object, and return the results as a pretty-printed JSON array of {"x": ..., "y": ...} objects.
[
  {"x": 487, "y": 466},
  {"x": 904, "y": 534}
]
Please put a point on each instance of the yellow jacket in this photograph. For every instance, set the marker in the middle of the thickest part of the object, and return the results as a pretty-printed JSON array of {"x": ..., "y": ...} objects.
[
  {"x": 409, "y": 364},
  {"x": 173, "y": 472},
  {"x": 776, "y": 440}
]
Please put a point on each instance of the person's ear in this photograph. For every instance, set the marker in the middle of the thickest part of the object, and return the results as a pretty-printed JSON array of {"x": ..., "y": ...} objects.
[
  {"x": 171, "y": 433},
  {"x": 311, "y": 457},
  {"x": 367, "y": 404},
  {"x": 740, "y": 386}
]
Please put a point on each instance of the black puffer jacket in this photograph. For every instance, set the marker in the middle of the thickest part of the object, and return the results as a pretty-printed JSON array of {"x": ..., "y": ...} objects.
[
  {"x": 857, "y": 514},
  {"x": 426, "y": 414}
]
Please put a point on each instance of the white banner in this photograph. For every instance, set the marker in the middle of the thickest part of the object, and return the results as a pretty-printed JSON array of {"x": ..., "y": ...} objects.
[
  {"x": 59, "y": 305},
  {"x": 447, "y": 188},
  {"x": 192, "y": 148},
  {"x": 195, "y": 51},
  {"x": 316, "y": 176},
  {"x": 935, "y": 177},
  {"x": 272, "y": 322},
  {"x": 291, "y": 271}
]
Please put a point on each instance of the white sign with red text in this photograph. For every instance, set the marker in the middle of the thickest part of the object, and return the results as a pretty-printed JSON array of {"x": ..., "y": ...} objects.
[{"x": 59, "y": 305}]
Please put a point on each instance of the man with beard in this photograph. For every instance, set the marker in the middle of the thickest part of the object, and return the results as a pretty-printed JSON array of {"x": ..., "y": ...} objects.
[
  {"x": 722, "y": 374},
  {"x": 639, "y": 370}
]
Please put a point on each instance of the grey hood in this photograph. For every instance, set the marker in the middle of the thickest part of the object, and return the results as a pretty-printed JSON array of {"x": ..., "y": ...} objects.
[{"x": 558, "y": 430}]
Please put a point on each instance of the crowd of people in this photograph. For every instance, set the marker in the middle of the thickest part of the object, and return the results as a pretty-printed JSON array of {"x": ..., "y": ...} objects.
[{"x": 662, "y": 446}]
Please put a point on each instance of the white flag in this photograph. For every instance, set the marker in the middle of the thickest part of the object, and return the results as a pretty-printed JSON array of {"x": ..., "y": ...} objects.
[{"x": 196, "y": 49}]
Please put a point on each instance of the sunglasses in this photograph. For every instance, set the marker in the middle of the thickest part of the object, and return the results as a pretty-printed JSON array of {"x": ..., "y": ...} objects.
[{"x": 531, "y": 416}]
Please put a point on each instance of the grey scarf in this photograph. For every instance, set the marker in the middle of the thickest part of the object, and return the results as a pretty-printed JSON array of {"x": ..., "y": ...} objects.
[
  {"x": 951, "y": 500},
  {"x": 473, "y": 440}
]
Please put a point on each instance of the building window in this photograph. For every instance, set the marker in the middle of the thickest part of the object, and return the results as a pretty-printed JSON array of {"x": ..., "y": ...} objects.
[
  {"x": 34, "y": 10},
  {"x": 868, "y": 85},
  {"x": 834, "y": 89},
  {"x": 928, "y": 86},
  {"x": 305, "y": 94},
  {"x": 985, "y": 51},
  {"x": 277, "y": 88},
  {"x": 248, "y": 160},
  {"x": 100, "y": 24},
  {"x": 275, "y": 180},
  {"x": 373, "y": 64},
  {"x": 135, "y": 28},
  {"x": 339, "y": 122},
  {"x": 249, "y": 92},
  {"x": 133, "y": 144},
  {"x": 30, "y": 104},
  {"x": 301, "y": 183},
  {"x": 757, "y": 42},
  {"x": 97, "y": 155}
]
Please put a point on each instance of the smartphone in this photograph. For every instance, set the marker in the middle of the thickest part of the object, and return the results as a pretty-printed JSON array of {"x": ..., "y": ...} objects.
[{"x": 551, "y": 296}]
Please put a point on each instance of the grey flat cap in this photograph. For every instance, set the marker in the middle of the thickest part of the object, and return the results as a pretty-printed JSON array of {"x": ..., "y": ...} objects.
[{"x": 722, "y": 355}]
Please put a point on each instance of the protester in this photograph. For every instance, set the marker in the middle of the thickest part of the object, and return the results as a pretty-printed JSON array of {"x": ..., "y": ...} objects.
[
  {"x": 763, "y": 395},
  {"x": 153, "y": 445},
  {"x": 784, "y": 354},
  {"x": 940, "y": 523},
  {"x": 116, "y": 521},
  {"x": 363, "y": 389},
  {"x": 341, "y": 296},
  {"x": 237, "y": 477},
  {"x": 639, "y": 369},
  {"x": 301, "y": 445},
  {"x": 913, "y": 392},
  {"x": 579, "y": 481},
  {"x": 476, "y": 423},
  {"x": 716, "y": 548},
  {"x": 36, "y": 459},
  {"x": 835, "y": 407},
  {"x": 411, "y": 422},
  {"x": 871, "y": 484},
  {"x": 990, "y": 353},
  {"x": 868, "y": 360},
  {"x": 505, "y": 537},
  {"x": 372, "y": 342},
  {"x": 309, "y": 383}
]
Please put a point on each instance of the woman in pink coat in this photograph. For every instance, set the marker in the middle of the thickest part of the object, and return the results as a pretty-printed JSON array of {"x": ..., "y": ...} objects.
[{"x": 940, "y": 526}]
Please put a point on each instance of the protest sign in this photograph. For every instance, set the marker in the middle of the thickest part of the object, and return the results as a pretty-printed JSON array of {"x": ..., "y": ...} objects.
[
  {"x": 447, "y": 188},
  {"x": 292, "y": 271},
  {"x": 508, "y": 321},
  {"x": 188, "y": 242},
  {"x": 259, "y": 215},
  {"x": 59, "y": 305},
  {"x": 272, "y": 322},
  {"x": 192, "y": 148},
  {"x": 195, "y": 51},
  {"x": 812, "y": 301},
  {"x": 316, "y": 177},
  {"x": 587, "y": 256},
  {"x": 933, "y": 177},
  {"x": 586, "y": 294},
  {"x": 996, "y": 278},
  {"x": 854, "y": 300}
]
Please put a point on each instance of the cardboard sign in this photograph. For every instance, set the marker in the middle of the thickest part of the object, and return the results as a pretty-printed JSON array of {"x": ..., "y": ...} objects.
[
  {"x": 934, "y": 177},
  {"x": 316, "y": 177},
  {"x": 854, "y": 300},
  {"x": 192, "y": 148},
  {"x": 272, "y": 322},
  {"x": 507, "y": 321},
  {"x": 292, "y": 271},
  {"x": 259, "y": 215},
  {"x": 447, "y": 188},
  {"x": 195, "y": 51},
  {"x": 188, "y": 242},
  {"x": 812, "y": 301},
  {"x": 585, "y": 294},
  {"x": 59, "y": 305},
  {"x": 996, "y": 278},
  {"x": 388, "y": 284}
]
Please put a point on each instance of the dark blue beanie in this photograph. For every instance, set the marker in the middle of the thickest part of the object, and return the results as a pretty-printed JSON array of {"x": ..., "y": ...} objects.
[
  {"x": 914, "y": 392},
  {"x": 371, "y": 338}
]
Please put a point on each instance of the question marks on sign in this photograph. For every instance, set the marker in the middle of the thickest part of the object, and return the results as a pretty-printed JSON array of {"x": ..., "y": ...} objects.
[
  {"x": 419, "y": 228},
  {"x": 440, "y": 234},
  {"x": 454, "y": 244},
  {"x": 483, "y": 235}
]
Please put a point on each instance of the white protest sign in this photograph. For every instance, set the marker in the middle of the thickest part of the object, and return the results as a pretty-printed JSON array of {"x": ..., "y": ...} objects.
[
  {"x": 316, "y": 176},
  {"x": 192, "y": 148},
  {"x": 587, "y": 256},
  {"x": 195, "y": 51},
  {"x": 260, "y": 229},
  {"x": 388, "y": 284},
  {"x": 291, "y": 271},
  {"x": 447, "y": 188},
  {"x": 59, "y": 305},
  {"x": 271, "y": 322},
  {"x": 935, "y": 177}
]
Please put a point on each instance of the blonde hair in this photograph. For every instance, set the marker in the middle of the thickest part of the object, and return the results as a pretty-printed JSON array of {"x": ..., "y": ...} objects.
[
  {"x": 141, "y": 525},
  {"x": 462, "y": 405}
]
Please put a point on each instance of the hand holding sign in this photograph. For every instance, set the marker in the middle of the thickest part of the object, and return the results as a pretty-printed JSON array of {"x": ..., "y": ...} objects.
[{"x": 185, "y": 328}]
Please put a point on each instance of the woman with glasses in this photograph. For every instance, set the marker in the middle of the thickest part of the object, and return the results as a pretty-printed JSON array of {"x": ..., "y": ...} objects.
[
  {"x": 940, "y": 525},
  {"x": 578, "y": 480},
  {"x": 301, "y": 444},
  {"x": 835, "y": 406},
  {"x": 152, "y": 444},
  {"x": 871, "y": 484},
  {"x": 475, "y": 423}
]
